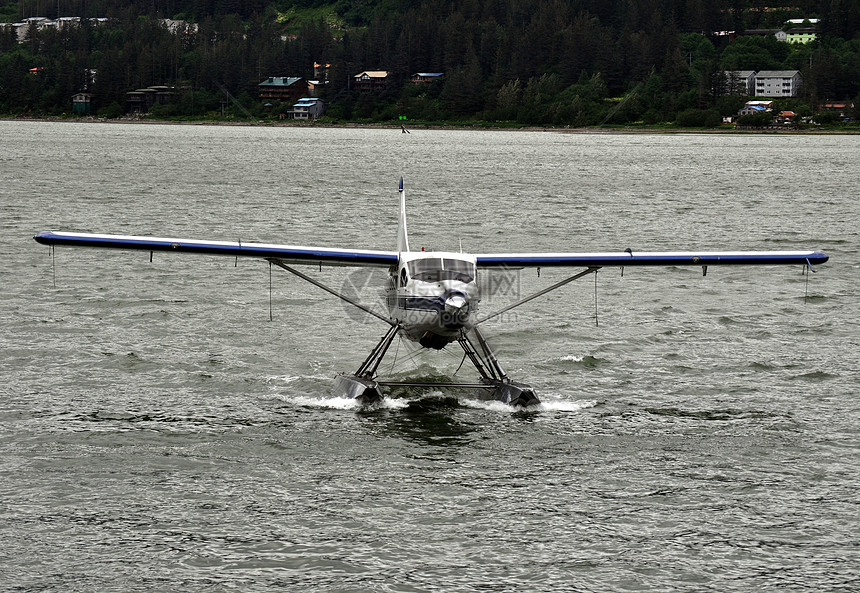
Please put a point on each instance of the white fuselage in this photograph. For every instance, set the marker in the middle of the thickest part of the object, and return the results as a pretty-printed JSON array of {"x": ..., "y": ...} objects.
[{"x": 434, "y": 296}]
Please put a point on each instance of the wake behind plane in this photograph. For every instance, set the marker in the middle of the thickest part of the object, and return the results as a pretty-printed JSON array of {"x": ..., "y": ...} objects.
[{"x": 433, "y": 297}]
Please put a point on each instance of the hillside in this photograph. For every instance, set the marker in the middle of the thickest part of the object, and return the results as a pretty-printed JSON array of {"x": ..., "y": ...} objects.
[{"x": 547, "y": 62}]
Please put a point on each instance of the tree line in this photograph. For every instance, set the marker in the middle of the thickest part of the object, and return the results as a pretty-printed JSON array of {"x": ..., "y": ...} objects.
[{"x": 534, "y": 62}]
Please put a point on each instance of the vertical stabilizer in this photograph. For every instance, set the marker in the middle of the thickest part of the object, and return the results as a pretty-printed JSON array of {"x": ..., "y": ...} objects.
[{"x": 402, "y": 238}]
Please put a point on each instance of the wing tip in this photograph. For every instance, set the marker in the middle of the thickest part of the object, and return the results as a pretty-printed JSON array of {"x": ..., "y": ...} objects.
[
  {"x": 818, "y": 257},
  {"x": 43, "y": 237}
]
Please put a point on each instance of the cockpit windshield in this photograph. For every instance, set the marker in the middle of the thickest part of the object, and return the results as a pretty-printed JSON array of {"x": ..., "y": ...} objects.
[
  {"x": 436, "y": 269},
  {"x": 458, "y": 269}
]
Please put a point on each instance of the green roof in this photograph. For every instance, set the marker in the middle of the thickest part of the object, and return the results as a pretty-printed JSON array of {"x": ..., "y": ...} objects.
[{"x": 280, "y": 81}]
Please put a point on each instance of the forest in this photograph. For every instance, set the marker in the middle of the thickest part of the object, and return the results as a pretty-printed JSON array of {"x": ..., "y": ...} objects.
[{"x": 524, "y": 62}]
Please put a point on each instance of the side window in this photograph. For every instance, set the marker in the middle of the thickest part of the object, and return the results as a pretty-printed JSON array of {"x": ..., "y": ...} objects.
[{"x": 392, "y": 291}]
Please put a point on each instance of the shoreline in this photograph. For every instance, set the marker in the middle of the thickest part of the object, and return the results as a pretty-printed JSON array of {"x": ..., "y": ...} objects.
[{"x": 429, "y": 127}]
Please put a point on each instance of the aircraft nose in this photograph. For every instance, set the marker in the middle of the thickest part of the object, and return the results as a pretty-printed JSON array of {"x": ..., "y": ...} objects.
[
  {"x": 456, "y": 312},
  {"x": 455, "y": 304}
]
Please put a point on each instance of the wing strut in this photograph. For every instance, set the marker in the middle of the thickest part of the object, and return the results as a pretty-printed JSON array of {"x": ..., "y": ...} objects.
[
  {"x": 592, "y": 270},
  {"x": 317, "y": 283}
]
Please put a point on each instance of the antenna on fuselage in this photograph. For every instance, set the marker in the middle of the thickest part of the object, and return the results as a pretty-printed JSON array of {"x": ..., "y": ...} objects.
[{"x": 402, "y": 238}]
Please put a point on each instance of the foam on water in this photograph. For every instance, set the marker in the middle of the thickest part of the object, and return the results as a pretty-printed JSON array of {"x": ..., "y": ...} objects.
[
  {"x": 290, "y": 379},
  {"x": 565, "y": 405},
  {"x": 330, "y": 403},
  {"x": 324, "y": 402},
  {"x": 549, "y": 402}
]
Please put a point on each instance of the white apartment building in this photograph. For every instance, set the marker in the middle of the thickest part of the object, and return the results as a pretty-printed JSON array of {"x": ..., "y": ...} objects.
[{"x": 777, "y": 83}]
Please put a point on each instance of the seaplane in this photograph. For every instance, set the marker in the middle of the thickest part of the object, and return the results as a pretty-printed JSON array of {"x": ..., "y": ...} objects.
[{"x": 433, "y": 297}]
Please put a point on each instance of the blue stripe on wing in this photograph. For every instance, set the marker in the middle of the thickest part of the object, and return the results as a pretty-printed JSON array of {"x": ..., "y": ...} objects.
[
  {"x": 288, "y": 253},
  {"x": 652, "y": 258}
]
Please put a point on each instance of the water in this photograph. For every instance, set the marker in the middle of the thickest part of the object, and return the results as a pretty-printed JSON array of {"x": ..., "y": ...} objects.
[{"x": 158, "y": 432}]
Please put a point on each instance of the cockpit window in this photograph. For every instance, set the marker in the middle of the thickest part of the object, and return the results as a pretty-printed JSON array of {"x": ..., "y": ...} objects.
[
  {"x": 425, "y": 269},
  {"x": 437, "y": 269},
  {"x": 460, "y": 270}
]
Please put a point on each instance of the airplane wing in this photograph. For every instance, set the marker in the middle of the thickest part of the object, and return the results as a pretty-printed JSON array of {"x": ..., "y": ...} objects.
[
  {"x": 362, "y": 257},
  {"x": 649, "y": 258},
  {"x": 286, "y": 253}
]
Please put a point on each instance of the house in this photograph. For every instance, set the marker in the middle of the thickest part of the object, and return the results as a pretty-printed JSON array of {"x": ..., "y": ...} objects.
[
  {"x": 800, "y": 30},
  {"x": 178, "y": 26},
  {"x": 41, "y": 22},
  {"x": 769, "y": 105},
  {"x": 315, "y": 86},
  {"x": 786, "y": 35},
  {"x": 752, "y": 110},
  {"x": 740, "y": 82},
  {"x": 777, "y": 83},
  {"x": 764, "y": 32},
  {"x": 422, "y": 77},
  {"x": 81, "y": 103},
  {"x": 310, "y": 109},
  {"x": 286, "y": 89},
  {"x": 801, "y": 35},
  {"x": 141, "y": 100},
  {"x": 370, "y": 80},
  {"x": 65, "y": 22},
  {"x": 23, "y": 28},
  {"x": 786, "y": 117},
  {"x": 753, "y": 107},
  {"x": 842, "y": 108},
  {"x": 321, "y": 71}
]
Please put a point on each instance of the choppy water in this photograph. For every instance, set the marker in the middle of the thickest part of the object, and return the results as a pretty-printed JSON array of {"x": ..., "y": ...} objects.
[{"x": 158, "y": 432}]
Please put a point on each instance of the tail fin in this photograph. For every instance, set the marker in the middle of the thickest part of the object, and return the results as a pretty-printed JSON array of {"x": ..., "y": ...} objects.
[{"x": 402, "y": 239}]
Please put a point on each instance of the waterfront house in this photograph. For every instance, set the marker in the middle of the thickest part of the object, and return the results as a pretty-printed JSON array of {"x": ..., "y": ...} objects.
[
  {"x": 842, "y": 108},
  {"x": 753, "y": 107},
  {"x": 752, "y": 110},
  {"x": 81, "y": 103},
  {"x": 280, "y": 88},
  {"x": 307, "y": 109},
  {"x": 141, "y": 100},
  {"x": 786, "y": 117}
]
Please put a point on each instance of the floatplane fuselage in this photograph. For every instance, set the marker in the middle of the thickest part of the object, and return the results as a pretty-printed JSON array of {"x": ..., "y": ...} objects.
[{"x": 433, "y": 297}]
